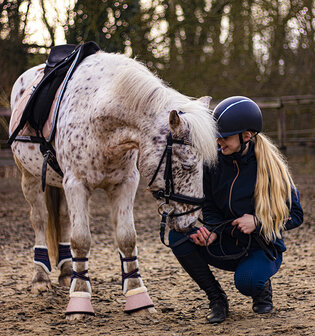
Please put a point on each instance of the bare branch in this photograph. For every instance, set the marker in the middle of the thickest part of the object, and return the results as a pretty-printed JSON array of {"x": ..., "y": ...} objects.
[
  {"x": 26, "y": 17},
  {"x": 51, "y": 29}
]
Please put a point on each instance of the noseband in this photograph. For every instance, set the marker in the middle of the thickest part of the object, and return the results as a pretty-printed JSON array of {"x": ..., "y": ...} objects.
[{"x": 168, "y": 192}]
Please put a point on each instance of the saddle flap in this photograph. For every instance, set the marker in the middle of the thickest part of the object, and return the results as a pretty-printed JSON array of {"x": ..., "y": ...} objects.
[{"x": 17, "y": 112}]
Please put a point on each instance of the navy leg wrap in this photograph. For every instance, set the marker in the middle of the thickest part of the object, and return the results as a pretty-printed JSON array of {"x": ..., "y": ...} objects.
[
  {"x": 80, "y": 275},
  {"x": 64, "y": 254},
  {"x": 41, "y": 258},
  {"x": 133, "y": 274}
]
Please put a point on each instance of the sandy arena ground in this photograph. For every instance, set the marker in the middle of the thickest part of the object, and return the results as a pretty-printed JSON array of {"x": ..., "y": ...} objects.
[{"x": 181, "y": 306}]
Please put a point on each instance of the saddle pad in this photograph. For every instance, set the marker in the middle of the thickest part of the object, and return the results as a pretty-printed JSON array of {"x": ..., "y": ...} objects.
[{"x": 19, "y": 109}]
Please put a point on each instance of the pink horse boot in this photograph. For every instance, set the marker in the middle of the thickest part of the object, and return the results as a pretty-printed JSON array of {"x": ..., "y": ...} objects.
[
  {"x": 137, "y": 299},
  {"x": 80, "y": 303}
]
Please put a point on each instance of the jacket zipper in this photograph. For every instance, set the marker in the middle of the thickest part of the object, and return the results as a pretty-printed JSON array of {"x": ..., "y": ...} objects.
[{"x": 230, "y": 195}]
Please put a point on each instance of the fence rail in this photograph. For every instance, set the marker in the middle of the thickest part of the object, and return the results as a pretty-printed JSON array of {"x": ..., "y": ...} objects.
[
  {"x": 280, "y": 104},
  {"x": 284, "y": 136},
  {"x": 5, "y": 112}
]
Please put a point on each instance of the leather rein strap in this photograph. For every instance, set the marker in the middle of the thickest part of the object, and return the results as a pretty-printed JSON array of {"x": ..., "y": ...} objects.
[
  {"x": 269, "y": 249},
  {"x": 213, "y": 228},
  {"x": 168, "y": 192}
]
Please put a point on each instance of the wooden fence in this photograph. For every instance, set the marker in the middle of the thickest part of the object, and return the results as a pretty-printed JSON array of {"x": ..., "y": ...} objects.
[
  {"x": 305, "y": 136},
  {"x": 279, "y": 104}
]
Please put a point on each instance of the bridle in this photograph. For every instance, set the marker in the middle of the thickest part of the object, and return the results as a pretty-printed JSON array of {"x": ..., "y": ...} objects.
[{"x": 168, "y": 192}]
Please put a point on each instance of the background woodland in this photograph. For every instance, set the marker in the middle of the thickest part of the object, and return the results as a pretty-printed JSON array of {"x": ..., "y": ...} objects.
[{"x": 200, "y": 47}]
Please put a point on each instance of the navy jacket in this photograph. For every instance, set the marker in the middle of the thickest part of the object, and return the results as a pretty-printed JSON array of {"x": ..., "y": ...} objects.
[{"x": 229, "y": 191}]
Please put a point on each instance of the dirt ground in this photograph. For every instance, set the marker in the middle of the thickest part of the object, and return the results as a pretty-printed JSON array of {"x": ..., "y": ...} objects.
[{"x": 181, "y": 306}]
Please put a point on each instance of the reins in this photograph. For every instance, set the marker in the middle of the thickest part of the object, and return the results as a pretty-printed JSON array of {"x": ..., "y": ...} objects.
[
  {"x": 254, "y": 235},
  {"x": 272, "y": 255},
  {"x": 225, "y": 256},
  {"x": 168, "y": 194}
]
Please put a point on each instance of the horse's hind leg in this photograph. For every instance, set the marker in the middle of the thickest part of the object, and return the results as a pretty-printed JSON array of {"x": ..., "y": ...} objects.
[
  {"x": 122, "y": 199},
  {"x": 59, "y": 230},
  {"x": 64, "y": 254},
  {"x": 34, "y": 195}
]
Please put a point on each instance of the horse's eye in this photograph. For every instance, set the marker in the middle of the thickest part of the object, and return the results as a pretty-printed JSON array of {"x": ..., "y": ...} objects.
[{"x": 186, "y": 166}]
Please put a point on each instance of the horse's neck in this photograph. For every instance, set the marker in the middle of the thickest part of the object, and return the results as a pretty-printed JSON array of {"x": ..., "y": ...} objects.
[
  {"x": 152, "y": 144},
  {"x": 125, "y": 130}
]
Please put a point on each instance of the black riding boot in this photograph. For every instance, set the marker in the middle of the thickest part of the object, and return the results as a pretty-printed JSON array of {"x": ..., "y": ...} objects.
[
  {"x": 199, "y": 270},
  {"x": 262, "y": 303}
]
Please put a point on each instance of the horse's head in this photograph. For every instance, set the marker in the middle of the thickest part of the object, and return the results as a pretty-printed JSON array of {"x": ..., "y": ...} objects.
[{"x": 177, "y": 182}]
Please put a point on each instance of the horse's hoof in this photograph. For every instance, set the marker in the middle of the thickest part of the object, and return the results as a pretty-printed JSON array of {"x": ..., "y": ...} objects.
[
  {"x": 79, "y": 306},
  {"x": 77, "y": 317},
  {"x": 41, "y": 286},
  {"x": 144, "y": 311},
  {"x": 138, "y": 299},
  {"x": 151, "y": 310},
  {"x": 64, "y": 281}
]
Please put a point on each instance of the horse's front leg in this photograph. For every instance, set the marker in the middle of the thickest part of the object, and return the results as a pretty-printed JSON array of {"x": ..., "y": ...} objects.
[
  {"x": 122, "y": 199},
  {"x": 77, "y": 195}
]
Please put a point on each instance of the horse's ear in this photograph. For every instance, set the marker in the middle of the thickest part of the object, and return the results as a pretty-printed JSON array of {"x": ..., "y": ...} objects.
[
  {"x": 206, "y": 100},
  {"x": 174, "y": 120}
]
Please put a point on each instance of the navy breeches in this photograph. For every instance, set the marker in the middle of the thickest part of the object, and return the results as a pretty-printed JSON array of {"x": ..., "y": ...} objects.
[{"x": 250, "y": 271}]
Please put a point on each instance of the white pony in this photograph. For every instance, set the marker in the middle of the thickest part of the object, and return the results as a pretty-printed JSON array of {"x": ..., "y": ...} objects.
[{"x": 114, "y": 121}]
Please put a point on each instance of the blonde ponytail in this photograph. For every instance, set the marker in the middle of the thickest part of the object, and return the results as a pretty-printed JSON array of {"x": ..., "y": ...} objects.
[{"x": 273, "y": 188}]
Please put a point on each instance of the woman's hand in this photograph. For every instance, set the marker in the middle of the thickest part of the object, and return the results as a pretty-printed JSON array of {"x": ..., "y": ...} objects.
[
  {"x": 203, "y": 236},
  {"x": 245, "y": 224}
]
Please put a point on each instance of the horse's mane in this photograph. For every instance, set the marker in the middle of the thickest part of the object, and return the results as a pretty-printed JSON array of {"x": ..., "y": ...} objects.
[{"x": 141, "y": 91}]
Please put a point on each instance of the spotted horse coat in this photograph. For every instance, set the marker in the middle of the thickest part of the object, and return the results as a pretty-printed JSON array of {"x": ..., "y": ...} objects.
[{"x": 114, "y": 119}]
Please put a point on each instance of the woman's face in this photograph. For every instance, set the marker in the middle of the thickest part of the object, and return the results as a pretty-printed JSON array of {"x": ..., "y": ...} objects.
[{"x": 230, "y": 144}]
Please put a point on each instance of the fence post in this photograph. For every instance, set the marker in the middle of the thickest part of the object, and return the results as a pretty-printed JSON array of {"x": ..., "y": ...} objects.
[{"x": 282, "y": 128}]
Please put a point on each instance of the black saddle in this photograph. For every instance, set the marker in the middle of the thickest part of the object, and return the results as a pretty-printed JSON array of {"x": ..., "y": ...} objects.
[
  {"x": 62, "y": 62},
  {"x": 58, "y": 54}
]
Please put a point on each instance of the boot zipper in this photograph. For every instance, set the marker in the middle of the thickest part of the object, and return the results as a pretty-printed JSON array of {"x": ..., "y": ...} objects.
[{"x": 230, "y": 195}]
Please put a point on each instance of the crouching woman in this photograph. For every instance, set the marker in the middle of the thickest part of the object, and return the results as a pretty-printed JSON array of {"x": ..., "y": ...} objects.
[{"x": 250, "y": 188}]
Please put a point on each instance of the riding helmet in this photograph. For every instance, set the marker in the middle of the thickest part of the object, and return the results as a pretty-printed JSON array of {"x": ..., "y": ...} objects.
[{"x": 237, "y": 114}]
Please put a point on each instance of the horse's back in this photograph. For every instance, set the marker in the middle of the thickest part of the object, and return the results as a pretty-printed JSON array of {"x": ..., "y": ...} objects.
[{"x": 87, "y": 97}]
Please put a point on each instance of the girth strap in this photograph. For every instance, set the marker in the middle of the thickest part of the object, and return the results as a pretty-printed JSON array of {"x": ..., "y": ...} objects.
[{"x": 49, "y": 154}]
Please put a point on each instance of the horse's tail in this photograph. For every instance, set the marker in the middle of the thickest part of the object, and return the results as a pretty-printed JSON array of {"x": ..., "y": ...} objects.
[{"x": 52, "y": 196}]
